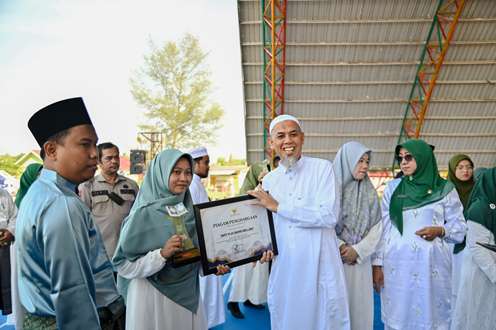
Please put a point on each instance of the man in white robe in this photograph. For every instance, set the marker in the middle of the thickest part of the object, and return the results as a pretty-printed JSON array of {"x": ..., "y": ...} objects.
[
  {"x": 307, "y": 287},
  {"x": 210, "y": 286}
]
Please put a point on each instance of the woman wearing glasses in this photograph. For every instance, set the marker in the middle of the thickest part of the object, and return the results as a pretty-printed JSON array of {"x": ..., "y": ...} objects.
[{"x": 421, "y": 214}]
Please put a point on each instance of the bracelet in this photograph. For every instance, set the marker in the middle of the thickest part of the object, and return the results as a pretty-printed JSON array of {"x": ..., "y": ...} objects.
[{"x": 443, "y": 232}]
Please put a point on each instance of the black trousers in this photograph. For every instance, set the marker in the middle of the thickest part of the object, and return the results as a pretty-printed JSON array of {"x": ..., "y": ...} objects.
[{"x": 5, "y": 289}]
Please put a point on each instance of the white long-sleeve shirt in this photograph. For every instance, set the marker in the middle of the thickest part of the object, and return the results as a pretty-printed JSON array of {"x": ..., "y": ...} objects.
[
  {"x": 210, "y": 286},
  {"x": 477, "y": 291},
  {"x": 306, "y": 285},
  {"x": 8, "y": 211}
]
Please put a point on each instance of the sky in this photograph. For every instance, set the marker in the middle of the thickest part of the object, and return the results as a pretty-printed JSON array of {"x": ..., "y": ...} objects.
[{"x": 52, "y": 50}]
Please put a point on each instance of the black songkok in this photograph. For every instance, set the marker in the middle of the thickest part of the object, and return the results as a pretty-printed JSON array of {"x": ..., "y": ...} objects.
[{"x": 57, "y": 117}]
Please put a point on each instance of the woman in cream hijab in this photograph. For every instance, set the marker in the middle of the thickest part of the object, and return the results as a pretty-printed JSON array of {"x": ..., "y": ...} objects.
[{"x": 359, "y": 229}]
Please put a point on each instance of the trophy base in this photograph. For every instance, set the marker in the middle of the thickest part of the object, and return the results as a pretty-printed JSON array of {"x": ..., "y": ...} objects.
[{"x": 185, "y": 257}]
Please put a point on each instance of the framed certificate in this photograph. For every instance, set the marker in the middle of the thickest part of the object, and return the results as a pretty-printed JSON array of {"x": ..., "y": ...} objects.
[{"x": 233, "y": 232}]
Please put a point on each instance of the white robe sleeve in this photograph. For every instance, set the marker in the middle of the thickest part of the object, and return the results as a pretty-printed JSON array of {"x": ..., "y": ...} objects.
[
  {"x": 9, "y": 214},
  {"x": 483, "y": 258},
  {"x": 455, "y": 226},
  {"x": 317, "y": 211},
  {"x": 368, "y": 245},
  {"x": 386, "y": 225},
  {"x": 12, "y": 216},
  {"x": 195, "y": 196},
  {"x": 197, "y": 191},
  {"x": 142, "y": 267}
]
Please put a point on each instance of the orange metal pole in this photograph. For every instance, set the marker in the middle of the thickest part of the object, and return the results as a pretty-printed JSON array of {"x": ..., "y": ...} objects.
[
  {"x": 273, "y": 60},
  {"x": 437, "y": 68}
]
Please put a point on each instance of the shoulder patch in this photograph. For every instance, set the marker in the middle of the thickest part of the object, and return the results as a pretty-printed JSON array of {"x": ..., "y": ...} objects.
[{"x": 128, "y": 191}]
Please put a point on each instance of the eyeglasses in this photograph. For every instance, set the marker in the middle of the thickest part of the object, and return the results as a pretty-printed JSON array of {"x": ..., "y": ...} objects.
[{"x": 407, "y": 158}]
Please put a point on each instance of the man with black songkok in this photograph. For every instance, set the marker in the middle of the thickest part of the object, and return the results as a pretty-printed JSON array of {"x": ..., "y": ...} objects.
[{"x": 65, "y": 278}]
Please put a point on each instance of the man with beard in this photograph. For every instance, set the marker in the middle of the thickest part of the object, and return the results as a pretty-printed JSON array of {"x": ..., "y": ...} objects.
[
  {"x": 306, "y": 285},
  {"x": 109, "y": 196},
  {"x": 65, "y": 278}
]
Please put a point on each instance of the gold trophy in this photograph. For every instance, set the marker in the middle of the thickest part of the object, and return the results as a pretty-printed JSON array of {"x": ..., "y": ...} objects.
[{"x": 189, "y": 253}]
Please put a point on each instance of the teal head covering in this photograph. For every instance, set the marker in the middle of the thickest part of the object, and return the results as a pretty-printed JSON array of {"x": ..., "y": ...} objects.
[
  {"x": 29, "y": 175},
  {"x": 482, "y": 205},
  {"x": 424, "y": 187},
  {"x": 462, "y": 187},
  {"x": 149, "y": 226}
]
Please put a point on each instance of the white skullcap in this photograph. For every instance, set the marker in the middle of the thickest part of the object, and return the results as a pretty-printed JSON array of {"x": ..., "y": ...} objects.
[
  {"x": 282, "y": 118},
  {"x": 198, "y": 152}
]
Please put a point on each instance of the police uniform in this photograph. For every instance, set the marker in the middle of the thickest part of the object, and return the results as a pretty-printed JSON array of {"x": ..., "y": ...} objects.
[{"x": 109, "y": 204}]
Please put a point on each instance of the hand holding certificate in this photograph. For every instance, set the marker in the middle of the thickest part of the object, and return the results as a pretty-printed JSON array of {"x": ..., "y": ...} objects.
[
  {"x": 264, "y": 198},
  {"x": 234, "y": 231}
]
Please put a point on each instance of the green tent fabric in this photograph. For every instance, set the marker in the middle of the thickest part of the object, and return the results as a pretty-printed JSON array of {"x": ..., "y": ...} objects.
[
  {"x": 422, "y": 188},
  {"x": 482, "y": 205}
]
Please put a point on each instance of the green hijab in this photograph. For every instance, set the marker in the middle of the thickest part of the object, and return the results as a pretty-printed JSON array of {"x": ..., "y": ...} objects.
[
  {"x": 148, "y": 227},
  {"x": 422, "y": 188},
  {"x": 482, "y": 205},
  {"x": 462, "y": 187},
  {"x": 29, "y": 175}
]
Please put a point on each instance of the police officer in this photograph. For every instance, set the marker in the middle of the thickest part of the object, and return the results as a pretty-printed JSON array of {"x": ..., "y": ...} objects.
[{"x": 109, "y": 195}]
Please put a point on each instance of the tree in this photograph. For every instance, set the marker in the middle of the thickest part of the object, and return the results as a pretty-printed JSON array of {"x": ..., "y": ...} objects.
[
  {"x": 173, "y": 86},
  {"x": 8, "y": 164},
  {"x": 230, "y": 161}
]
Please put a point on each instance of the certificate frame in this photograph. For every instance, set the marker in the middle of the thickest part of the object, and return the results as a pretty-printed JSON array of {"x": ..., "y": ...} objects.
[{"x": 253, "y": 228}]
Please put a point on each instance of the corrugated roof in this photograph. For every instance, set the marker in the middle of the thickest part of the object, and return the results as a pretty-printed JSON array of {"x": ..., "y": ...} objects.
[{"x": 350, "y": 66}]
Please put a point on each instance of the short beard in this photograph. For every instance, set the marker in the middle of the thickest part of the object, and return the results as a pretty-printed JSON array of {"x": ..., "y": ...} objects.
[{"x": 288, "y": 162}]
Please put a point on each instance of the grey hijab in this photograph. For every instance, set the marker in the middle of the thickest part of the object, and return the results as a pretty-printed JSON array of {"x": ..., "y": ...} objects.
[{"x": 359, "y": 203}]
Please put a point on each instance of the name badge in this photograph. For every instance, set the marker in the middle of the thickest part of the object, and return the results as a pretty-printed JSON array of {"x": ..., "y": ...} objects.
[{"x": 99, "y": 193}]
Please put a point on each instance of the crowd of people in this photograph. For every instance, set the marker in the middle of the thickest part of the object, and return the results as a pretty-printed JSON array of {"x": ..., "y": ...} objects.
[{"x": 79, "y": 251}]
